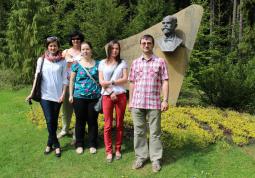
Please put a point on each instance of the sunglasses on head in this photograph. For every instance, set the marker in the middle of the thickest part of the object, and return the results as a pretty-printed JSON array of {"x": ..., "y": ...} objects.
[
  {"x": 76, "y": 39},
  {"x": 52, "y": 38}
]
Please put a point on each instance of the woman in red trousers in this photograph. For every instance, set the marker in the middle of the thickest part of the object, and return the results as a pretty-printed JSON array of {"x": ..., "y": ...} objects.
[{"x": 112, "y": 77}]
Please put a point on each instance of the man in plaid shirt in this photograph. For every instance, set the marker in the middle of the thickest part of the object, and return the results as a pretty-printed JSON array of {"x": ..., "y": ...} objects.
[{"x": 148, "y": 76}]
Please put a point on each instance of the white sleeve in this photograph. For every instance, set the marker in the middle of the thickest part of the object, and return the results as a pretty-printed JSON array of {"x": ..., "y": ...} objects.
[
  {"x": 38, "y": 65},
  {"x": 125, "y": 65},
  {"x": 101, "y": 65}
]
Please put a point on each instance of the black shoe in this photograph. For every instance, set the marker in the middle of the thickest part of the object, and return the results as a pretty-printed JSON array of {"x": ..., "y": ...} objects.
[
  {"x": 48, "y": 150},
  {"x": 59, "y": 153}
]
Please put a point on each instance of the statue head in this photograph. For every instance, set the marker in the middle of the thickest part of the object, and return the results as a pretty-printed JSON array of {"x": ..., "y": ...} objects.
[{"x": 169, "y": 23}]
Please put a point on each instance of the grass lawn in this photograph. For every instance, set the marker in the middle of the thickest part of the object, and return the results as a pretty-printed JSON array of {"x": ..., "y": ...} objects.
[{"x": 23, "y": 143}]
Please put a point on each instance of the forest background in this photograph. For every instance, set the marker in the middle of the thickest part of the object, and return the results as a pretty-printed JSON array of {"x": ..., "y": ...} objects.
[{"x": 221, "y": 70}]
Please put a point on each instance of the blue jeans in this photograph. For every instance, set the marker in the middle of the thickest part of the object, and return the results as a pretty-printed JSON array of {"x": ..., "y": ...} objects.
[{"x": 51, "y": 112}]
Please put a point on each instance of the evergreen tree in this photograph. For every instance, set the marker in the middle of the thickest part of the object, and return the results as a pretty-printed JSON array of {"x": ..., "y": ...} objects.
[
  {"x": 66, "y": 19},
  {"x": 101, "y": 21},
  {"x": 148, "y": 13},
  {"x": 28, "y": 25},
  {"x": 5, "y": 6},
  {"x": 224, "y": 72}
]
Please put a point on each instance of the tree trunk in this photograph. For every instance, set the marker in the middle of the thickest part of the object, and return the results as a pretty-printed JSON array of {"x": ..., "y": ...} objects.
[
  {"x": 240, "y": 34},
  {"x": 234, "y": 19},
  {"x": 211, "y": 15}
]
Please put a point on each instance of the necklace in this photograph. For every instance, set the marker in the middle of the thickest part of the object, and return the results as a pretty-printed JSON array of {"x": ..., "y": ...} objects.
[{"x": 87, "y": 63}]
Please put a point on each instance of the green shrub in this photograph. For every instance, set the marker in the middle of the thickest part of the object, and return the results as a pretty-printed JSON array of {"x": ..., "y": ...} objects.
[
  {"x": 10, "y": 79},
  {"x": 190, "y": 95},
  {"x": 195, "y": 127},
  {"x": 230, "y": 84}
]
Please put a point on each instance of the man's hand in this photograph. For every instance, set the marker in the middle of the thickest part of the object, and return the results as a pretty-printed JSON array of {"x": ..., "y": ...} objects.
[{"x": 164, "y": 106}]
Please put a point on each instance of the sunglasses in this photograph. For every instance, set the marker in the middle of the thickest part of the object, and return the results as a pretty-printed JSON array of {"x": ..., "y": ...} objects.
[
  {"x": 76, "y": 39},
  {"x": 52, "y": 38}
]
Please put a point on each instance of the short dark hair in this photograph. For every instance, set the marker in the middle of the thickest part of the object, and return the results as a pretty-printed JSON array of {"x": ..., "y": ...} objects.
[
  {"x": 147, "y": 36},
  {"x": 109, "y": 50},
  {"x": 73, "y": 34},
  {"x": 52, "y": 39}
]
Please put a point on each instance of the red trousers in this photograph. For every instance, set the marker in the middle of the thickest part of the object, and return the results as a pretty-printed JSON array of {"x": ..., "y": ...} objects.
[{"x": 120, "y": 107}]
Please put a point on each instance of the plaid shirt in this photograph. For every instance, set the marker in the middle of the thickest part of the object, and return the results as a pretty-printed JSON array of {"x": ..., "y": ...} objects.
[{"x": 147, "y": 77}]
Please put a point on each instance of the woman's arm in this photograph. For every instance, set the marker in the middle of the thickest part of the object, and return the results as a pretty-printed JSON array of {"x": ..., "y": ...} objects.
[
  {"x": 71, "y": 84},
  {"x": 62, "y": 97},
  {"x": 121, "y": 80},
  {"x": 104, "y": 83},
  {"x": 28, "y": 98},
  {"x": 64, "y": 53}
]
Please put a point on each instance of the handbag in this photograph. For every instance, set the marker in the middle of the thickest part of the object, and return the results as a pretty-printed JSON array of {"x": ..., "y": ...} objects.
[
  {"x": 36, "y": 93},
  {"x": 99, "y": 105}
]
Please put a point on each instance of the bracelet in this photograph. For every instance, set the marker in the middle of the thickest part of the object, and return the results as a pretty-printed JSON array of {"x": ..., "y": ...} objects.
[
  {"x": 113, "y": 82},
  {"x": 111, "y": 93}
]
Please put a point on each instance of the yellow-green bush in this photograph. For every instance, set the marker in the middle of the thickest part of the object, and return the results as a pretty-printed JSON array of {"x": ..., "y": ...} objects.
[{"x": 187, "y": 126}]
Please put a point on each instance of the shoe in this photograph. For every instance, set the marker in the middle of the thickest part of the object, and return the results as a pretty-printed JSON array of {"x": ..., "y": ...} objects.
[
  {"x": 92, "y": 150},
  {"x": 156, "y": 166},
  {"x": 137, "y": 164},
  {"x": 79, "y": 150},
  {"x": 109, "y": 158},
  {"x": 117, "y": 155},
  {"x": 58, "y": 152},
  {"x": 61, "y": 134},
  {"x": 48, "y": 150}
]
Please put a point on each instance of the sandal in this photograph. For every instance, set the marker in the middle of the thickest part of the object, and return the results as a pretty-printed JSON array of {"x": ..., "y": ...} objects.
[
  {"x": 117, "y": 155},
  {"x": 58, "y": 152},
  {"x": 109, "y": 158},
  {"x": 79, "y": 150},
  {"x": 48, "y": 150}
]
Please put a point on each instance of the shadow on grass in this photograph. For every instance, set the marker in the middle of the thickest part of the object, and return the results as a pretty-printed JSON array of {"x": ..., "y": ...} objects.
[
  {"x": 170, "y": 155},
  {"x": 127, "y": 145}
]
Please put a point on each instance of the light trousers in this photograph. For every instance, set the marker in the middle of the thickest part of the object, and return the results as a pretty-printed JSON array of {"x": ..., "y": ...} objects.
[
  {"x": 142, "y": 150},
  {"x": 67, "y": 109}
]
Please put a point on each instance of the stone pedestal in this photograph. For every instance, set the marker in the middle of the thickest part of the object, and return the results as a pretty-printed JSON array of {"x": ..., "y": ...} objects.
[{"x": 188, "y": 23}]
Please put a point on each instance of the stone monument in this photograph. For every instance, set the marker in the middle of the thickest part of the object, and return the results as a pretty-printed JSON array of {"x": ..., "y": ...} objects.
[
  {"x": 170, "y": 41},
  {"x": 188, "y": 23}
]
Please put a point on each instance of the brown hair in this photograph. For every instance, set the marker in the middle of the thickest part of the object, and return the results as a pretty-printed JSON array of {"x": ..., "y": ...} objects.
[
  {"x": 52, "y": 39},
  {"x": 109, "y": 50},
  {"x": 88, "y": 43}
]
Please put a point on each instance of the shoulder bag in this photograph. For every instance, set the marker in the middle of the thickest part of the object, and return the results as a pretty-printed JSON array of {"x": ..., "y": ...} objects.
[{"x": 36, "y": 93}]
